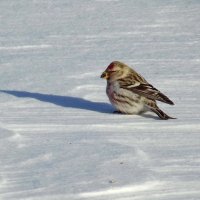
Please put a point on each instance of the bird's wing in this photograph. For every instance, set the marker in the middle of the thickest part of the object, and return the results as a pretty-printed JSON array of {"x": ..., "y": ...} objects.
[{"x": 148, "y": 91}]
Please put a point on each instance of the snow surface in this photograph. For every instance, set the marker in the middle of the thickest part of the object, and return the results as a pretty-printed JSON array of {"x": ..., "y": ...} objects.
[{"x": 58, "y": 137}]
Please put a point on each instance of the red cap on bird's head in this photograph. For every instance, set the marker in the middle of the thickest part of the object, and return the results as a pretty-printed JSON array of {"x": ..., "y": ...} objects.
[{"x": 110, "y": 67}]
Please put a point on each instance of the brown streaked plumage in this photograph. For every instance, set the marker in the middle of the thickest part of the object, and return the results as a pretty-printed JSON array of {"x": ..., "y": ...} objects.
[{"x": 130, "y": 93}]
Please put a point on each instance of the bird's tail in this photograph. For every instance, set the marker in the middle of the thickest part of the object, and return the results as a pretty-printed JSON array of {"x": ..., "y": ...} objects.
[
  {"x": 153, "y": 107},
  {"x": 161, "y": 114}
]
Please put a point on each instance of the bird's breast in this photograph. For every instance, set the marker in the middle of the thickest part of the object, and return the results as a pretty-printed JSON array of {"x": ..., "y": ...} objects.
[{"x": 112, "y": 88}]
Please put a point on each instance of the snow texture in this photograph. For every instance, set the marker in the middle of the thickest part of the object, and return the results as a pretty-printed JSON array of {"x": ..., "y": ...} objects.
[{"x": 59, "y": 139}]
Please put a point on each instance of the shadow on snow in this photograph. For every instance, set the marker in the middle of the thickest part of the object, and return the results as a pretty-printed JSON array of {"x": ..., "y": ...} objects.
[{"x": 64, "y": 101}]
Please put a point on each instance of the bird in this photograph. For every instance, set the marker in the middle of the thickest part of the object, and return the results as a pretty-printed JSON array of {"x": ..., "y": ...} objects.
[{"x": 130, "y": 93}]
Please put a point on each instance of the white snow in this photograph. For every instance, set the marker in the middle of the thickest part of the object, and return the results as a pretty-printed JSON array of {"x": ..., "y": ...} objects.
[{"x": 58, "y": 137}]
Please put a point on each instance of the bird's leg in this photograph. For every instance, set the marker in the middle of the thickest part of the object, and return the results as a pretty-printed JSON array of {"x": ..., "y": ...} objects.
[{"x": 117, "y": 112}]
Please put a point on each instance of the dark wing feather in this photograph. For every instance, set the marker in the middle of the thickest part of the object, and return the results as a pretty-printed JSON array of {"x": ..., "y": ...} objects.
[
  {"x": 148, "y": 91},
  {"x": 161, "y": 114}
]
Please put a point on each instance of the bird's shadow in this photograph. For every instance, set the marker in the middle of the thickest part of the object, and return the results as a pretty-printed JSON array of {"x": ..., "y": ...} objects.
[{"x": 64, "y": 101}]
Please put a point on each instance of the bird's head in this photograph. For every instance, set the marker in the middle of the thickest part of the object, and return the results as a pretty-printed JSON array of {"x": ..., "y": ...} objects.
[{"x": 115, "y": 70}]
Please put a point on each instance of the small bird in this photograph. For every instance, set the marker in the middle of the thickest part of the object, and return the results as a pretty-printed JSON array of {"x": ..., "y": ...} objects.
[{"x": 130, "y": 93}]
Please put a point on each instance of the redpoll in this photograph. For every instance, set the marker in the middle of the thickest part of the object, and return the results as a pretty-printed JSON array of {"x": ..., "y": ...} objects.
[{"x": 130, "y": 93}]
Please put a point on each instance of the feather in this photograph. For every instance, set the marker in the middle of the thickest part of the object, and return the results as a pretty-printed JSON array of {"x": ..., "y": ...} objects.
[
  {"x": 149, "y": 92},
  {"x": 161, "y": 114}
]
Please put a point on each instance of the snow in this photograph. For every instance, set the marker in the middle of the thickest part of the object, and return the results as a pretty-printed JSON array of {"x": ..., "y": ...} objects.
[{"x": 58, "y": 136}]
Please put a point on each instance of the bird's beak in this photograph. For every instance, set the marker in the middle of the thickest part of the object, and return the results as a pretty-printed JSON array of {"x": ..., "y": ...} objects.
[{"x": 104, "y": 75}]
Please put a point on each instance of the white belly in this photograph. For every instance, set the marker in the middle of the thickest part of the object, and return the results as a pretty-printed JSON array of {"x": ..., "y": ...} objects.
[{"x": 125, "y": 101}]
